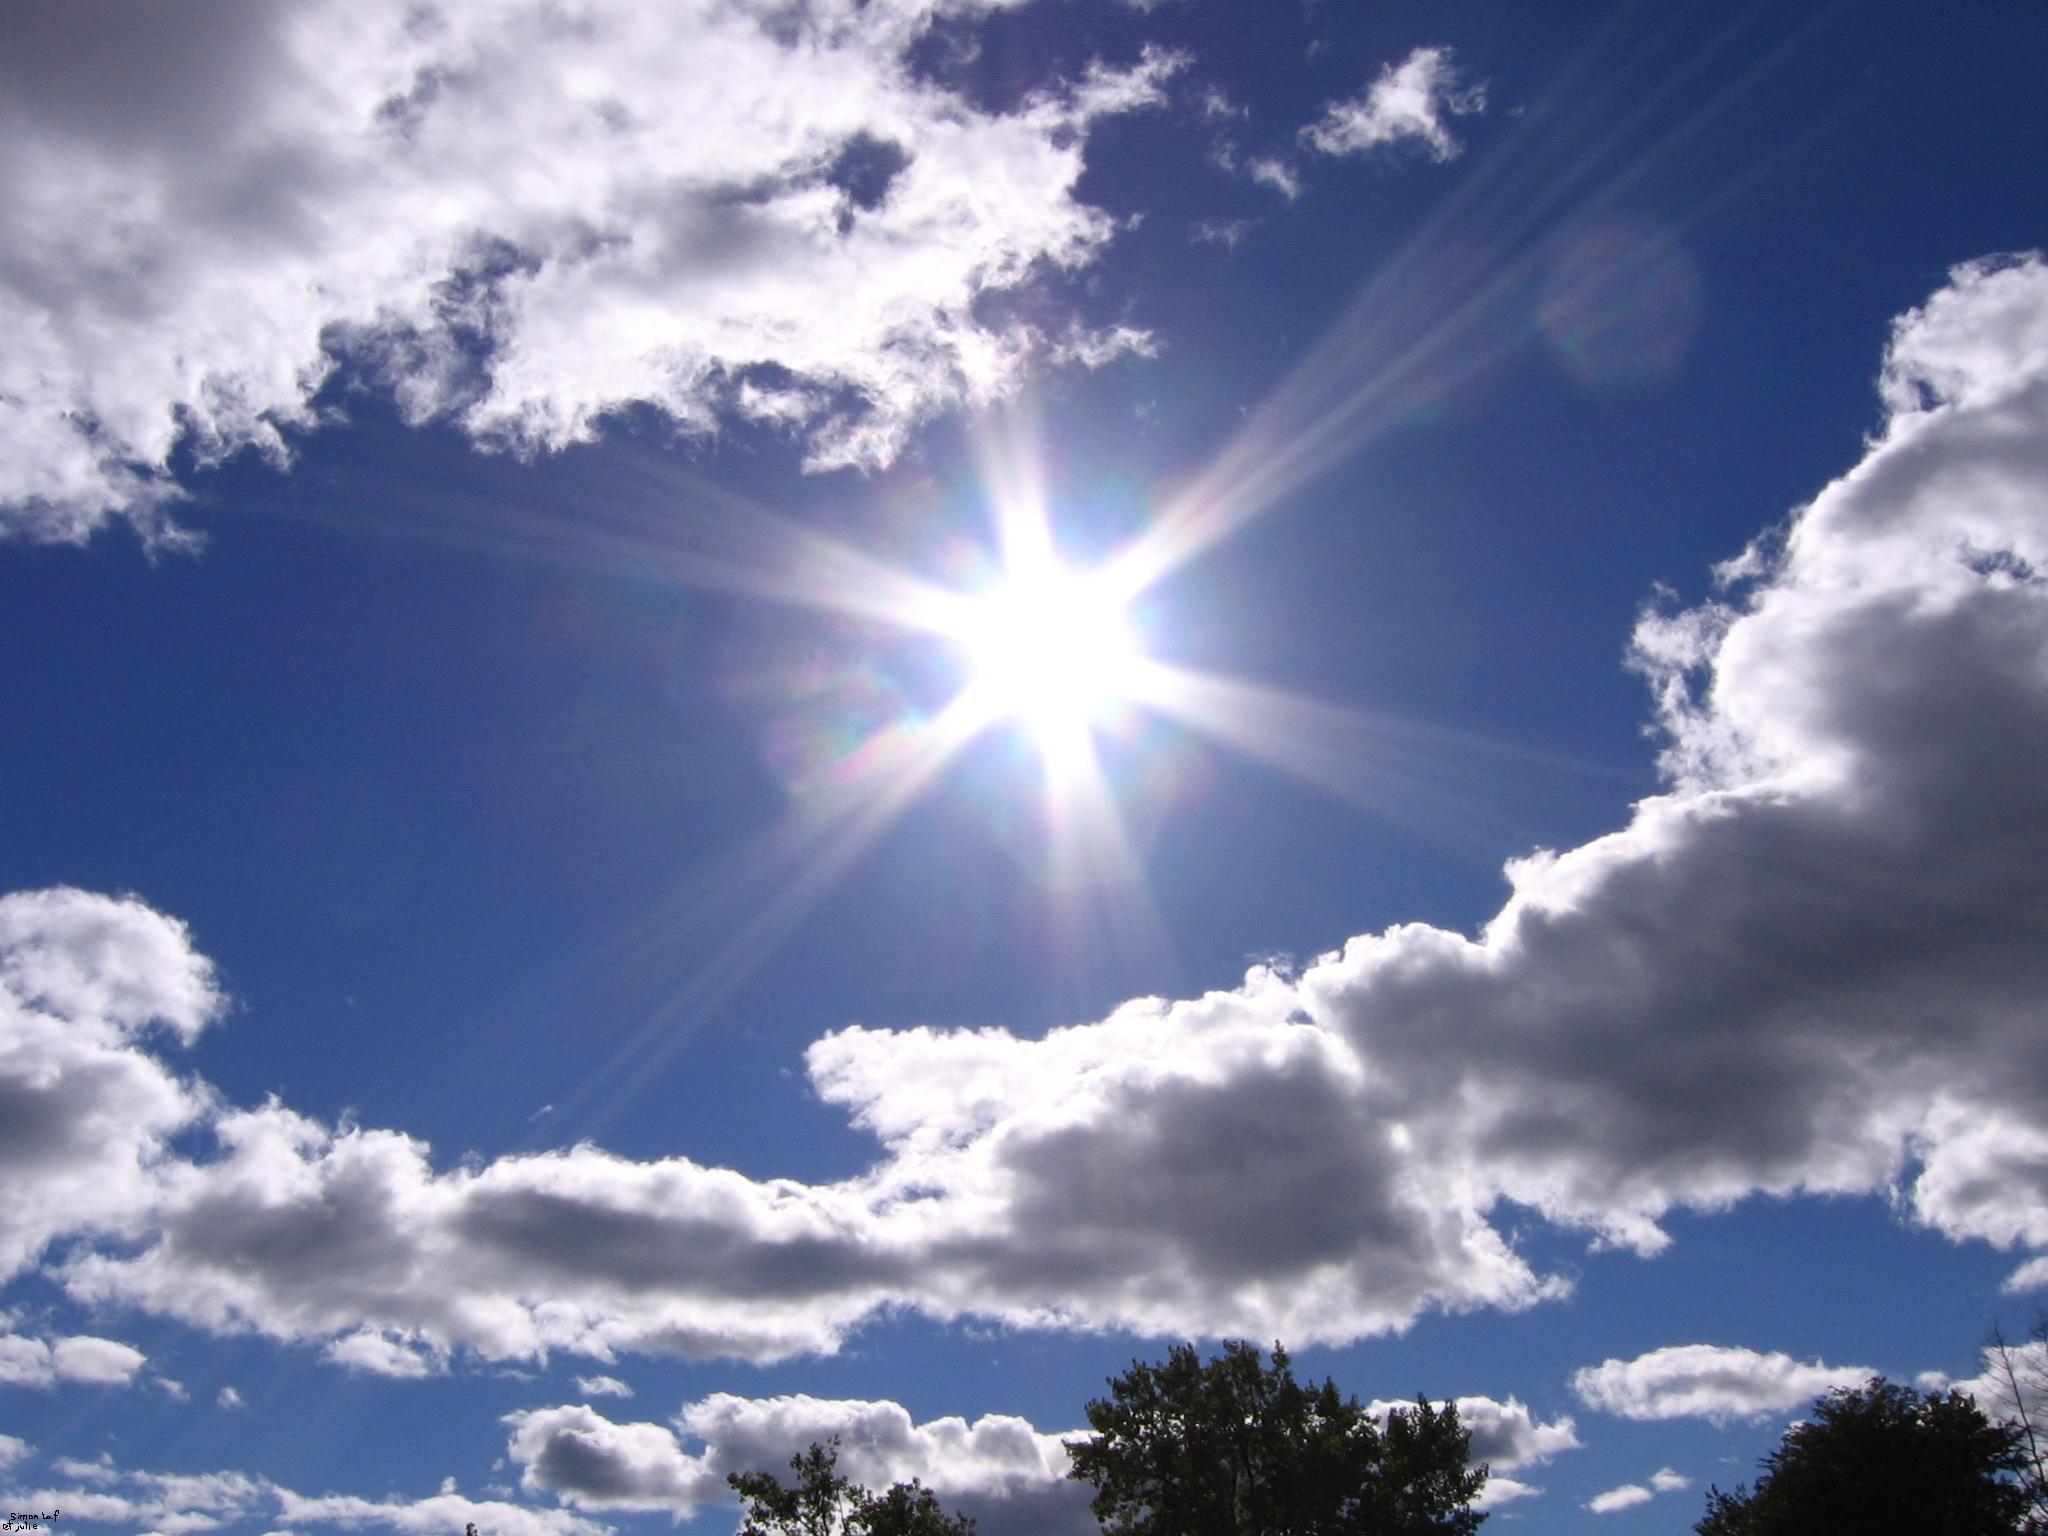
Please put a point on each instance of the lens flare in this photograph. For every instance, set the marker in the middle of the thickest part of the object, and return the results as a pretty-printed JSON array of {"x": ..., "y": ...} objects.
[{"x": 1049, "y": 647}]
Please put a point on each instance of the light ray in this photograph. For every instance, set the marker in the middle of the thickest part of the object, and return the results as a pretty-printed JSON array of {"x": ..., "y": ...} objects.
[
  {"x": 1009, "y": 448},
  {"x": 781, "y": 876},
  {"x": 1424, "y": 776},
  {"x": 1097, "y": 877},
  {"x": 667, "y": 524},
  {"x": 1452, "y": 302}
]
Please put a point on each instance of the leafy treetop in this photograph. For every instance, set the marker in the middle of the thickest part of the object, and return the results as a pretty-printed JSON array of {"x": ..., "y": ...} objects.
[
  {"x": 1232, "y": 1447},
  {"x": 1882, "y": 1460},
  {"x": 820, "y": 1502}
]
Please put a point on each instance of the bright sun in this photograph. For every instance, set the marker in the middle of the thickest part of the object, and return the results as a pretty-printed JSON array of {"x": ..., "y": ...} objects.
[{"x": 1050, "y": 648}]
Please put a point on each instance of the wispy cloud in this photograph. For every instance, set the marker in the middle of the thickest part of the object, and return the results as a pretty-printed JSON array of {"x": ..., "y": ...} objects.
[
  {"x": 1277, "y": 174},
  {"x": 1410, "y": 102}
]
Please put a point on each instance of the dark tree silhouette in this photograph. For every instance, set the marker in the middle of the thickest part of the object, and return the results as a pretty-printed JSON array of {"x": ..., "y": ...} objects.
[
  {"x": 1882, "y": 1460},
  {"x": 1232, "y": 1447},
  {"x": 822, "y": 1503}
]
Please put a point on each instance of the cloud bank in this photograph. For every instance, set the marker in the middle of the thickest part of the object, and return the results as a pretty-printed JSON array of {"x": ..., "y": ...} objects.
[
  {"x": 1813, "y": 965},
  {"x": 510, "y": 215},
  {"x": 1008, "y": 1475},
  {"x": 101, "y": 1493}
]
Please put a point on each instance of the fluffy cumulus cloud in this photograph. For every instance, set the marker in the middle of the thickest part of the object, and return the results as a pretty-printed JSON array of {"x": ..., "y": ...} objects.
[
  {"x": 304, "y": 1231},
  {"x": 1811, "y": 965},
  {"x": 84, "y": 1113},
  {"x": 510, "y": 214},
  {"x": 33, "y": 1362},
  {"x": 1410, "y": 103},
  {"x": 1708, "y": 1381},
  {"x": 999, "y": 1469}
]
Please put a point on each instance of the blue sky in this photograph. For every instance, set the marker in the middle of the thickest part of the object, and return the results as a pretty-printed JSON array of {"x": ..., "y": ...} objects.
[{"x": 812, "y": 718}]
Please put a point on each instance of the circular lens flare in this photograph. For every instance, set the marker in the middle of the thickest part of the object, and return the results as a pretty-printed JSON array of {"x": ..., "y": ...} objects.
[{"x": 1050, "y": 648}]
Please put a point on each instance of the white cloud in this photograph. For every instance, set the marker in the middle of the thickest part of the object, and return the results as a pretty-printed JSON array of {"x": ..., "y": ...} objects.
[
  {"x": 2030, "y": 1276},
  {"x": 1810, "y": 966},
  {"x": 602, "y": 1386},
  {"x": 173, "y": 1503},
  {"x": 1409, "y": 102},
  {"x": 229, "y": 1398},
  {"x": 399, "y": 1353},
  {"x": 1627, "y": 1496},
  {"x": 107, "y": 1362},
  {"x": 432, "y": 1516},
  {"x": 303, "y": 1232},
  {"x": 999, "y": 1469},
  {"x": 1708, "y": 1381},
  {"x": 13, "y": 1449},
  {"x": 1504, "y": 1490},
  {"x": 509, "y": 216},
  {"x": 1096, "y": 348},
  {"x": 32, "y": 1362},
  {"x": 1228, "y": 233},
  {"x": 1277, "y": 174},
  {"x": 176, "y": 1503},
  {"x": 25, "y": 1362},
  {"x": 84, "y": 1115},
  {"x": 1993, "y": 1390}
]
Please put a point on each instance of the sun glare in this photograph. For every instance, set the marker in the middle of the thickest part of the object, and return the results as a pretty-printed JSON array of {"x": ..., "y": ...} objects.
[{"x": 1050, "y": 648}]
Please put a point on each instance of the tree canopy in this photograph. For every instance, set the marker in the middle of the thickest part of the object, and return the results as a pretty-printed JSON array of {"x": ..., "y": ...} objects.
[
  {"x": 1233, "y": 1447},
  {"x": 1882, "y": 1460},
  {"x": 820, "y": 1502}
]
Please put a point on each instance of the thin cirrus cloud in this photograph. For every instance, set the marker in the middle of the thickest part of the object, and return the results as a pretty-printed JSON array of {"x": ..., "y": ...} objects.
[
  {"x": 510, "y": 217},
  {"x": 1708, "y": 1381},
  {"x": 1811, "y": 965},
  {"x": 1410, "y": 103}
]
